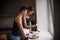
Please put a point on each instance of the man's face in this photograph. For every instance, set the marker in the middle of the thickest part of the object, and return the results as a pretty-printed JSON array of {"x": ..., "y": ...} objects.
[{"x": 25, "y": 11}]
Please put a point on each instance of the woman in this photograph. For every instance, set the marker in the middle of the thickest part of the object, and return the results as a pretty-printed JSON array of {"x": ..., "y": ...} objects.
[
  {"x": 27, "y": 19},
  {"x": 17, "y": 30}
]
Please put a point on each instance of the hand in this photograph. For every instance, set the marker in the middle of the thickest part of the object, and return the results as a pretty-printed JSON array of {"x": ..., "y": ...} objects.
[
  {"x": 24, "y": 36},
  {"x": 37, "y": 25}
]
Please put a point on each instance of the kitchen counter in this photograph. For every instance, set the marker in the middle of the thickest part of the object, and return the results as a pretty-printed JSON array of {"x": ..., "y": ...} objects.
[{"x": 43, "y": 36}]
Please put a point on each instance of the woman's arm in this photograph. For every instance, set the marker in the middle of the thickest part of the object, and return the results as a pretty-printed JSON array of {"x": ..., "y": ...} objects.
[
  {"x": 33, "y": 25},
  {"x": 19, "y": 23}
]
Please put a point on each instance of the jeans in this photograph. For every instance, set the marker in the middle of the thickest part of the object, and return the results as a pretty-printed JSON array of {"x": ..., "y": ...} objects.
[{"x": 15, "y": 37}]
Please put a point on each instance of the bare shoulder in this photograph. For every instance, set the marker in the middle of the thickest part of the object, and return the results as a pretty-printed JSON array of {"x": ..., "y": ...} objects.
[{"x": 18, "y": 18}]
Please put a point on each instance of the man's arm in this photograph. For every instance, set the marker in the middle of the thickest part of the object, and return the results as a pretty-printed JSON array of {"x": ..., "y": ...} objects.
[{"x": 19, "y": 23}]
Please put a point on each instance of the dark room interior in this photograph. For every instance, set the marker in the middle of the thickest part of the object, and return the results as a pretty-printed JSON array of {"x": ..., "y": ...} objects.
[{"x": 9, "y": 8}]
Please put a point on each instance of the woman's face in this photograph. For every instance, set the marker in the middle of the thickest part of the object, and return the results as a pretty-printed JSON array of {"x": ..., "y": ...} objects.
[{"x": 30, "y": 12}]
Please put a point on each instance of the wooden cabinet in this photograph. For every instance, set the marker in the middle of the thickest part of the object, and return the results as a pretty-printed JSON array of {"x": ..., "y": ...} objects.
[{"x": 3, "y": 37}]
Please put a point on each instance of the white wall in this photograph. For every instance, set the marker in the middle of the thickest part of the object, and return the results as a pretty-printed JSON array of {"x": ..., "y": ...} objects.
[{"x": 42, "y": 14}]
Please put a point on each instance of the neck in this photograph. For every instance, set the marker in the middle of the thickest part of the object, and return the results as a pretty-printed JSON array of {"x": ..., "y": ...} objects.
[
  {"x": 28, "y": 14},
  {"x": 21, "y": 13}
]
